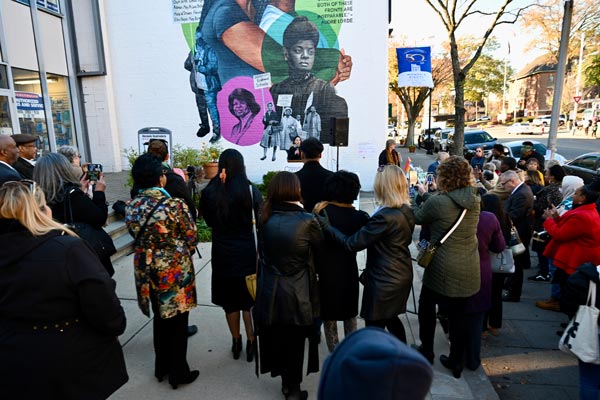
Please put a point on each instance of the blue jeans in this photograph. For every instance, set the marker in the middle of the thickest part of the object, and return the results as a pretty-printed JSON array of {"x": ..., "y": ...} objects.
[
  {"x": 555, "y": 288},
  {"x": 589, "y": 380}
]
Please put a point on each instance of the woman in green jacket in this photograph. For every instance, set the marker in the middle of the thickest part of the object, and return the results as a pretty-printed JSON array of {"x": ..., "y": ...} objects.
[{"x": 453, "y": 274}]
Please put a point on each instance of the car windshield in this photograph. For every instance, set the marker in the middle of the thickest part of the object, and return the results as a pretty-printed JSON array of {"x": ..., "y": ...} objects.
[
  {"x": 538, "y": 147},
  {"x": 478, "y": 137}
]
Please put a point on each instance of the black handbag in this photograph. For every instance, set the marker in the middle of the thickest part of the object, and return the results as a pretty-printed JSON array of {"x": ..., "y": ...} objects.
[{"x": 96, "y": 237}]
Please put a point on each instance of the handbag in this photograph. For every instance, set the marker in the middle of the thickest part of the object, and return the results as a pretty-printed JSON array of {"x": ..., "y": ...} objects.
[
  {"x": 516, "y": 245},
  {"x": 580, "y": 338},
  {"x": 503, "y": 262},
  {"x": 251, "y": 279},
  {"x": 427, "y": 249},
  {"x": 96, "y": 237}
]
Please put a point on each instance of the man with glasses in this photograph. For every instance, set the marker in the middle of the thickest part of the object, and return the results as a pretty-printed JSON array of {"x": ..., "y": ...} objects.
[
  {"x": 8, "y": 156},
  {"x": 519, "y": 206},
  {"x": 27, "y": 152},
  {"x": 478, "y": 160}
]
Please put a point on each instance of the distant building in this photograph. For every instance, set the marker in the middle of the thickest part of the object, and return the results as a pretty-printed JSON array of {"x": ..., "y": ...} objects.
[{"x": 532, "y": 89}]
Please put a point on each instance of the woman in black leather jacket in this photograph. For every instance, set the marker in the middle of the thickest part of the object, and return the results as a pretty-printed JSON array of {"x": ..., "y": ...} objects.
[
  {"x": 287, "y": 297},
  {"x": 386, "y": 236}
]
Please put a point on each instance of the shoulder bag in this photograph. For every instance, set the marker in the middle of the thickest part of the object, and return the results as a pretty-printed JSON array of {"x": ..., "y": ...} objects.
[
  {"x": 503, "y": 262},
  {"x": 515, "y": 244},
  {"x": 96, "y": 238},
  {"x": 427, "y": 249},
  {"x": 251, "y": 279},
  {"x": 581, "y": 335}
]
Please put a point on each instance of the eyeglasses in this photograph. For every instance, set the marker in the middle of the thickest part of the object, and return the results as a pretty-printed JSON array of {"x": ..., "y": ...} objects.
[
  {"x": 28, "y": 183},
  {"x": 478, "y": 151}
]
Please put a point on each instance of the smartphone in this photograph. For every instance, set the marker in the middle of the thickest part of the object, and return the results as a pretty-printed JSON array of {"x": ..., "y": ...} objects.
[
  {"x": 93, "y": 172},
  {"x": 429, "y": 179}
]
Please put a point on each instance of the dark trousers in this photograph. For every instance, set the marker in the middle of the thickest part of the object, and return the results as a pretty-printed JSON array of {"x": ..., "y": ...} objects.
[
  {"x": 514, "y": 283},
  {"x": 282, "y": 351},
  {"x": 493, "y": 317},
  {"x": 170, "y": 346},
  {"x": 393, "y": 325},
  {"x": 474, "y": 324},
  {"x": 455, "y": 309},
  {"x": 202, "y": 108}
]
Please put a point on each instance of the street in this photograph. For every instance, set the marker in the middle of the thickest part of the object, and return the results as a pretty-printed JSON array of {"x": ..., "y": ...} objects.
[{"x": 568, "y": 145}]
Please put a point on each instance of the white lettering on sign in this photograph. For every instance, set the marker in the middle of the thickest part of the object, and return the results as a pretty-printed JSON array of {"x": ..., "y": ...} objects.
[{"x": 187, "y": 11}]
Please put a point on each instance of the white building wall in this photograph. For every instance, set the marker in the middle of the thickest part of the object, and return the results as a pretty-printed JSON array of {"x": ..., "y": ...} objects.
[{"x": 150, "y": 87}]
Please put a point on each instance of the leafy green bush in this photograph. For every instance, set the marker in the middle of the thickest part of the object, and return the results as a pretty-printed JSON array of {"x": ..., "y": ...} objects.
[
  {"x": 184, "y": 156},
  {"x": 264, "y": 186},
  {"x": 203, "y": 231}
]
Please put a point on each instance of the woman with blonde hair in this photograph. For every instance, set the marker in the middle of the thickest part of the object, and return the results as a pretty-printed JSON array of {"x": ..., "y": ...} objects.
[
  {"x": 386, "y": 236},
  {"x": 60, "y": 317},
  {"x": 453, "y": 275}
]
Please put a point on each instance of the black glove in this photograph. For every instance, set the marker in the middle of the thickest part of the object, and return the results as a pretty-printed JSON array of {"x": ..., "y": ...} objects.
[{"x": 322, "y": 219}]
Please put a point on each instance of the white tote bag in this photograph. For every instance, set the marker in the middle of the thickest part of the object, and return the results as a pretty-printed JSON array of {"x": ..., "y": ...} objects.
[
  {"x": 581, "y": 335},
  {"x": 503, "y": 262}
]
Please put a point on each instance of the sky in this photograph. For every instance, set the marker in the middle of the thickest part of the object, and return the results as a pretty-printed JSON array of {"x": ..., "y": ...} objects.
[{"x": 417, "y": 21}]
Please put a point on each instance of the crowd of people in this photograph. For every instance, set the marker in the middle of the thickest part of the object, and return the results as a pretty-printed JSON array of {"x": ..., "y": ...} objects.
[{"x": 301, "y": 241}]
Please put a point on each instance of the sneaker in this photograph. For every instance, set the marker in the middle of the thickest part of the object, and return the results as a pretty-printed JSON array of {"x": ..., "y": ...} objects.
[
  {"x": 539, "y": 278},
  {"x": 203, "y": 131},
  {"x": 551, "y": 304}
]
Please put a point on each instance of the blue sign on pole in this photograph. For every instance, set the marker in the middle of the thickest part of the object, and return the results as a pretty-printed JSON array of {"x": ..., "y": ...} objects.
[{"x": 414, "y": 67}]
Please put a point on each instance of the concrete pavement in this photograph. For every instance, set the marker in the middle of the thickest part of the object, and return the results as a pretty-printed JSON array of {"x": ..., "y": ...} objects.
[{"x": 222, "y": 377}]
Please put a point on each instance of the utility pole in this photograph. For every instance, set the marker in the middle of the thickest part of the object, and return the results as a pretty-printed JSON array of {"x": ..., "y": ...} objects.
[{"x": 560, "y": 77}]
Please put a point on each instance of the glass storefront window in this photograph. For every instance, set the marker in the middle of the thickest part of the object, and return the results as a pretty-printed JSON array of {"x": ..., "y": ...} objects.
[
  {"x": 5, "y": 123},
  {"x": 3, "y": 77},
  {"x": 58, "y": 90},
  {"x": 30, "y": 105},
  {"x": 51, "y": 5}
]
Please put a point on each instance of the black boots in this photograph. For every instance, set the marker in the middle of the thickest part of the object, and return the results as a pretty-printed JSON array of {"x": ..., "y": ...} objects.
[
  {"x": 249, "y": 351},
  {"x": 189, "y": 378},
  {"x": 456, "y": 368},
  {"x": 236, "y": 348}
]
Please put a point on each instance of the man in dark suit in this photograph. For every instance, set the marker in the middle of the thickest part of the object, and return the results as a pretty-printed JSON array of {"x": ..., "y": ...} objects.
[
  {"x": 519, "y": 206},
  {"x": 312, "y": 175},
  {"x": 27, "y": 152},
  {"x": 8, "y": 156}
]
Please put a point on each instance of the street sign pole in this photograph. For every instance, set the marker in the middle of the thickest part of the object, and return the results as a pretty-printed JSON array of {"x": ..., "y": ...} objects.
[{"x": 560, "y": 77}]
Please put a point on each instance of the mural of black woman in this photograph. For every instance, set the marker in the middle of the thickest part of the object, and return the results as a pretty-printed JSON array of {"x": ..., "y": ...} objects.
[{"x": 243, "y": 106}]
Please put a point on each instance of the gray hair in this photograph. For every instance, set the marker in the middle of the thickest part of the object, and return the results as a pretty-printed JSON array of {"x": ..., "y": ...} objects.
[
  {"x": 442, "y": 155},
  {"x": 68, "y": 151},
  {"x": 511, "y": 175},
  {"x": 52, "y": 173}
]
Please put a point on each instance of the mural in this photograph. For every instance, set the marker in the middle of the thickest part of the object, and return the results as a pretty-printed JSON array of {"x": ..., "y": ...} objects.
[{"x": 264, "y": 72}]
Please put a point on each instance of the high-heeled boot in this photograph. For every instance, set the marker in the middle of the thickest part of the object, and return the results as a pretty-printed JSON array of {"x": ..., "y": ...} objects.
[
  {"x": 249, "y": 351},
  {"x": 189, "y": 378},
  {"x": 236, "y": 348},
  {"x": 295, "y": 393}
]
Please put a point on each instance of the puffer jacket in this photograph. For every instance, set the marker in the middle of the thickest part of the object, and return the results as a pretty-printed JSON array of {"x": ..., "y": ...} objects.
[
  {"x": 289, "y": 244},
  {"x": 454, "y": 270},
  {"x": 389, "y": 274}
]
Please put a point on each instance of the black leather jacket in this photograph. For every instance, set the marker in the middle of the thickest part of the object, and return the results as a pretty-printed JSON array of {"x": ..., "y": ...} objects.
[
  {"x": 389, "y": 273},
  {"x": 287, "y": 283}
]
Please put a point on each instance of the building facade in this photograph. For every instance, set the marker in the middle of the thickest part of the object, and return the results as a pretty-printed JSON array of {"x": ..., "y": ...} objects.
[{"x": 92, "y": 73}]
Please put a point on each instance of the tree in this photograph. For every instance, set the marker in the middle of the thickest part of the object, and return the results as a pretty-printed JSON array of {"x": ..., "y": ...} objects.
[
  {"x": 592, "y": 72},
  {"x": 413, "y": 98},
  {"x": 545, "y": 24},
  {"x": 453, "y": 13}
]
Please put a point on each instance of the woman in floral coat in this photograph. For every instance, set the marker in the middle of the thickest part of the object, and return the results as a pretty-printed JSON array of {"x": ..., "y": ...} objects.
[{"x": 164, "y": 273}]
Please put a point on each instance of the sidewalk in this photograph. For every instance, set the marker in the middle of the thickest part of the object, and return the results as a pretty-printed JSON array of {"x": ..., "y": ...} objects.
[{"x": 221, "y": 377}]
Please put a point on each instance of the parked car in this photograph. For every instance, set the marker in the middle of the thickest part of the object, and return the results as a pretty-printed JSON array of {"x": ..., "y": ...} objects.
[
  {"x": 513, "y": 149},
  {"x": 545, "y": 120},
  {"x": 520, "y": 128},
  {"x": 440, "y": 139},
  {"x": 473, "y": 139},
  {"x": 392, "y": 132},
  {"x": 484, "y": 118},
  {"x": 585, "y": 166},
  {"x": 425, "y": 135}
]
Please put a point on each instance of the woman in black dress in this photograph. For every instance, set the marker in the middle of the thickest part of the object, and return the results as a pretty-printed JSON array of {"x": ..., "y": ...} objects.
[
  {"x": 226, "y": 205},
  {"x": 338, "y": 279}
]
